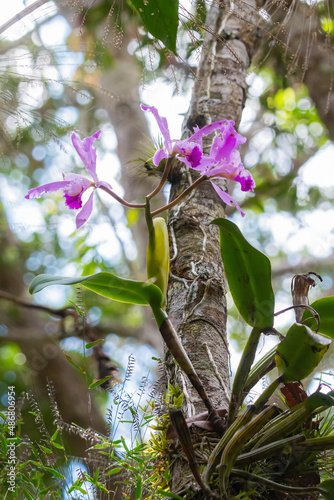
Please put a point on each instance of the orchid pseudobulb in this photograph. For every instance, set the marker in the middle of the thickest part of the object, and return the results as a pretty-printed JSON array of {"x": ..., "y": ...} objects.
[
  {"x": 75, "y": 185},
  {"x": 223, "y": 161}
]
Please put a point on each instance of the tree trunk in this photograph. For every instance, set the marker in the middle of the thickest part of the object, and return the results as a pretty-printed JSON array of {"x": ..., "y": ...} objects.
[{"x": 196, "y": 297}]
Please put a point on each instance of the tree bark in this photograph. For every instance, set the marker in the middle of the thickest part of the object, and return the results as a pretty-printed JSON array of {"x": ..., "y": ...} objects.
[{"x": 196, "y": 298}]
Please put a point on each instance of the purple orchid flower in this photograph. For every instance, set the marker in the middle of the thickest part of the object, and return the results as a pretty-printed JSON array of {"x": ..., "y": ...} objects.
[
  {"x": 223, "y": 162},
  {"x": 75, "y": 185}
]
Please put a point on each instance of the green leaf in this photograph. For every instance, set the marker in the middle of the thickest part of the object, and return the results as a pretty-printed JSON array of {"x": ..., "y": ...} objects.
[
  {"x": 99, "y": 382},
  {"x": 54, "y": 436},
  {"x": 96, "y": 475},
  {"x": 88, "y": 346},
  {"x": 248, "y": 273},
  {"x": 327, "y": 489},
  {"x": 116, "y": 470},
  {"x": 160, "y": 18},
  {"x": 4, "y": 444},
  {"x": 52, "y": 471},
  {"x": 138, "y": 488},
  {"x": 79, "y": 311},
  {"x": 100, "y": 446},
  {"x": 58, "y": 446},
  {"x": 318, "y": 400},
  {"x": 75, "y": 365},
  {"x": 110, "y": 286},
  {"x": 45, "y": 449},
  {"x": 27, "y": 494},
  {"x": 300, "y": 353},
  {"x": 325, "y": 309}
]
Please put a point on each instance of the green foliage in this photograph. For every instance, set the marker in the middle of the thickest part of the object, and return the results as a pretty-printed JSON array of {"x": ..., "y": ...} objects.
[
  {"x": 42, "y": 467},
  {"x": 327, "y": 489},
  {"x": 112, "y": 287},
  {"x": 248, "y": 274},
  {"x": 299, "y": 353},
  {"x": 160, "y": 18},
  {"x": 325, "y": 308}
]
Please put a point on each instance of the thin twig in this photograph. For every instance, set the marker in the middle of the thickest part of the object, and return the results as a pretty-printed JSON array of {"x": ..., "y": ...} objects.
[
  {"x": 65, "y": 311},
  {"x": 25, "y": 12}
]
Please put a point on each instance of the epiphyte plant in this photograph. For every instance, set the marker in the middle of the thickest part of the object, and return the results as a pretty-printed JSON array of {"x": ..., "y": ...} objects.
[{"x": 249, "y": 434}]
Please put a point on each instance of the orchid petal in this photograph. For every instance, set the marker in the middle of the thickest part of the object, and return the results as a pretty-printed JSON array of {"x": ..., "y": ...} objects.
[
  {"x": 85, "y": 212},
  {"x": 226, "y": 142},
  {"x": 162, "y": 124},
  {"x": 158, "y": 156},
  {"x": 226, "y": 171},
  {"x": 46, "y": 188},
  {"x": 77, "y": 180},
  {"x": 227, "y": 198},
  {"x": 105, "y": 184},
  {"x": 208, "y": 129},
  {"x": 86, "y": 152}
]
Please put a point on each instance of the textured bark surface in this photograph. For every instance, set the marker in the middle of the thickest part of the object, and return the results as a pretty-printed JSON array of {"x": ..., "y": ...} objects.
[{"x": 196, "y": 299}]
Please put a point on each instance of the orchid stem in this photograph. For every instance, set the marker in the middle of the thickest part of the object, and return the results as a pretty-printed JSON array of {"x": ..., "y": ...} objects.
[
  {"x": 183, "y": 195},
  {"x": 177, "y": 200},
  {"x": 123, "y": 202},
  {"x": 163, "y": 178}
]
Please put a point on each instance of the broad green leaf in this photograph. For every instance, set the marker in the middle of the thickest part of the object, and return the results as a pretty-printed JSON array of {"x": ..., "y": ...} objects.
[
  {"x": 160, "y": 18},
  {"x": 110, "y": 286},
  {"x": 300, "y": 353},
  {"x": 248, "y": 273},
  {"x": 327, "y": 489},
  {"x": 318, "y": 400},
  {"x": 325, "y": 309}
]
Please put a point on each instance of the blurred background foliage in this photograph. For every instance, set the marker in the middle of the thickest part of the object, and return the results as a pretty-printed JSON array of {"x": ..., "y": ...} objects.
[{"x": 88, "y": 65}]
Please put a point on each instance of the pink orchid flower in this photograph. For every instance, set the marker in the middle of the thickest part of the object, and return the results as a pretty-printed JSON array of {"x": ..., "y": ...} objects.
[
  {"x": 75, "y": 185},
  {"x": 223, "y": 162}
]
